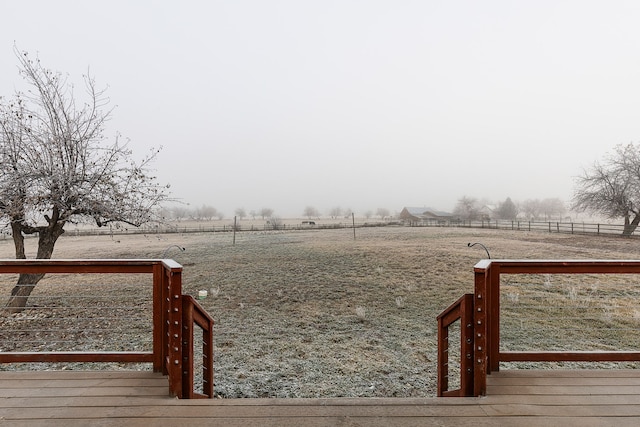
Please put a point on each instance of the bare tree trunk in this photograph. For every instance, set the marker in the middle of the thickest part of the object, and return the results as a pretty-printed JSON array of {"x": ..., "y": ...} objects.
[
  {"x": 27, "y": 282},
  {"x": 18, "y": 239},
  {"x": 21, "y": 292},
  {"x": 630, "y": 227}
]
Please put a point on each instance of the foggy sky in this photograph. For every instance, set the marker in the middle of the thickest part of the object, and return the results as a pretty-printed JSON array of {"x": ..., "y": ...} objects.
[{"x": 357, "y": 104}]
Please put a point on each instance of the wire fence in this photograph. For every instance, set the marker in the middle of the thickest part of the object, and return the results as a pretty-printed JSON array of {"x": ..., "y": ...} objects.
[{"x": 541, "y": 226}]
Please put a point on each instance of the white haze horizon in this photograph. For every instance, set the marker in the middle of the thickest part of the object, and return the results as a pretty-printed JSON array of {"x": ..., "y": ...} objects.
[{"x": 353, "y": 104}]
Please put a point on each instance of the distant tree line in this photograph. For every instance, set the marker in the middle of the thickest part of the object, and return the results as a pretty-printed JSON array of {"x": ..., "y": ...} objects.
[
  {"x": 470, "y": 208},
  {"x": 208, "y": 213}
]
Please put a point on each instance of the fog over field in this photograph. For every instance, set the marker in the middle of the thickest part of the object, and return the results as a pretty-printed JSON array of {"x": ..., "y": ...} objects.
[{"x": 356, "y": 104}]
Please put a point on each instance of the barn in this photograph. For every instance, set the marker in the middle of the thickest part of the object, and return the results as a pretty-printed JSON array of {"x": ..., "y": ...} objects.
[{"x": 429, "y": 215}]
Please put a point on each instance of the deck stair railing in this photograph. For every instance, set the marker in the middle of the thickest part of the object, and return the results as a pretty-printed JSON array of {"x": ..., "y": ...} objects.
[
  {"x": 460, "y": 312},
  {"x": 173, "y": 319},
  {"x": 482, "y": 311},
  {"x": 195, "y": 317}
]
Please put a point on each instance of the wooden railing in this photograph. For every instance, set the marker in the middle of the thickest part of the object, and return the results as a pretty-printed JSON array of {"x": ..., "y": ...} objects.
[
  {"x": 173, "y": 316},
  {"x": 486, "y": 352},
  {"x": 462, "y": 311},
  {"x": 194, "y": 316}
]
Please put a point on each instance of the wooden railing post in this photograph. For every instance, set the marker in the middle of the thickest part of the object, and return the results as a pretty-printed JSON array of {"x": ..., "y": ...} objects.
[
  {"x": 159, "y": 326},
  {"x": 481, "y": 328},
  {"x": 173, "y": 320},
  {"x": 467, "y": 346},
  {"x": 493, "y": 317}
]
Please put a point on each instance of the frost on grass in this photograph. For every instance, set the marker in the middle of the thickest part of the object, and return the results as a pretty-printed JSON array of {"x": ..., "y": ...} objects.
[{"x": 285, "y": 304}]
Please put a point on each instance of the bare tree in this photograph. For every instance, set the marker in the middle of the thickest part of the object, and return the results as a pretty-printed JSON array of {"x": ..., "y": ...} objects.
[
  {"x": 180, "y": 212},
  {"x": 311, "y": 212},
  {"x": 612, "y": 188},
  {"x": 552, "y": 208},
  {"x": 275, "y": 223},
  {"x": 241, "y": 213},
  {"x": 207, "y": 213},
  {"x": 467, "y": 208},
  {"x": 335, "y": 212},
  {"x": 532, "y": 208},
  {"x": 56, "y": 167},
  {"x": 266, "y": 212},
  {"x": 382, "y": 213}
]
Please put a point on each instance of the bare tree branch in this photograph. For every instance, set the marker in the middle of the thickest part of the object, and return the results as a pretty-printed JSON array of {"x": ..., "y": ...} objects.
[
  {"x": 57, "y": 166},
  {"x": 612, "y": 188}
]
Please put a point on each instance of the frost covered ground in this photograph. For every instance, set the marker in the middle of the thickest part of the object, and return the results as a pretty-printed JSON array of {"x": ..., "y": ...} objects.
[{"x": 315, "y": 313}]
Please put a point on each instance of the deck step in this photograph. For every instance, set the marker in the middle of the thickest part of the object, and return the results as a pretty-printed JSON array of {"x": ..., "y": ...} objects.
[{"x": 125, "y": 398}]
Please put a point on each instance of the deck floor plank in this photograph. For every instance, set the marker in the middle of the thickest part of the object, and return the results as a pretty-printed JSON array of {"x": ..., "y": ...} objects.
[{"x": 124, "y": 398}]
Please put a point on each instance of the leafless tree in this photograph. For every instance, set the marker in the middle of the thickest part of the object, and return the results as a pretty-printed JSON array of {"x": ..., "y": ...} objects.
[
  {"x": 180, "y": 212},
  {"x": 467, "y": 208},
  {"x": 266, "y": 212},
  {"x": 311, "y": 212},
  {"x": 57, "y": 167},
  {"x": 552, "y": 208},
  {"x": 207, "y": 213},
  {"x": 335, "y": 212},
  {"x": 382, "y": 212},
  {"x": 532, "y": 208},
  {"x": 275, "y": 223},
  {"x": 612, "y": 187},
  {"x": 241, "y": 213}
]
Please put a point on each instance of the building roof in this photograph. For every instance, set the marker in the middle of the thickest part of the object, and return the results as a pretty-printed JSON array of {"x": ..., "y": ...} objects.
[{"x": 424, "y": 211}]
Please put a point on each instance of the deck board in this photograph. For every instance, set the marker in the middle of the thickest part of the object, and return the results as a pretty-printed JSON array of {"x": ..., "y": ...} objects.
[{"x": 125, "y": 398}]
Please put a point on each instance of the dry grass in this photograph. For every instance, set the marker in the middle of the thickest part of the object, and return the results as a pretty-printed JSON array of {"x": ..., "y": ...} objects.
[{"x": 314, "y": 313}]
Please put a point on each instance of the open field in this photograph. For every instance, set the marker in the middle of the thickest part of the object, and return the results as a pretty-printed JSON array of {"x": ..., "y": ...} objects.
[{"x": 315, "y": 313}]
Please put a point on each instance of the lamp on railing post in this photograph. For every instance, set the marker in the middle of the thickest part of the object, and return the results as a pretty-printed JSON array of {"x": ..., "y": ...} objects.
[{"x": 483, "y": 246}]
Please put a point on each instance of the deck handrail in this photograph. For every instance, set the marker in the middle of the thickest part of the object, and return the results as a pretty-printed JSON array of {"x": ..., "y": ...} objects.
[
  {"x": 194, "y": 315},
  {"x": 461, "y": 310},
  {"x": 168, "y": 319},
  {"x": 486, "y": 321}
]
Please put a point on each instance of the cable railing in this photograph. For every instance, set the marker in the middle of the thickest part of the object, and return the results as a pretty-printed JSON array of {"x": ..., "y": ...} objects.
[
  {"x": 456, "y": 320},
  {"x": 107, "y": 311},
  {"x": 196, "y": 318},
  {"x": 591, "y": 317}
]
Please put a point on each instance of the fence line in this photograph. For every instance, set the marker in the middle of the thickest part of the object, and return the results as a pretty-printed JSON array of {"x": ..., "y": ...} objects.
[
  {"x": 548, "y": 226},
  {"x": 543, "y": 226},
  {"x": 170, "y": 229}
]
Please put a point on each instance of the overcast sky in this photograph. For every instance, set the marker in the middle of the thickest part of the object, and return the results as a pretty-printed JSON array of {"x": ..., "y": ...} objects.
[{"x": 353, "y": 104}]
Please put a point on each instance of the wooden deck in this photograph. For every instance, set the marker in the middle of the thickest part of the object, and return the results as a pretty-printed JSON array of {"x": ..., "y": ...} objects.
[{"x": 514, "y": 398}]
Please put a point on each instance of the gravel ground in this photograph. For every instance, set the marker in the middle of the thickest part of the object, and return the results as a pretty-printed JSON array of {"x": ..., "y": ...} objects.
[{"x": 310, "y": 313}]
